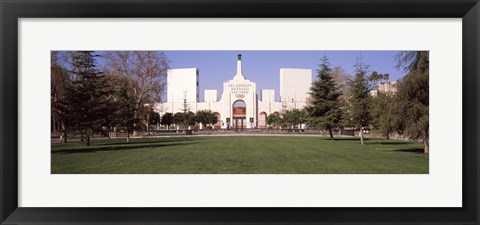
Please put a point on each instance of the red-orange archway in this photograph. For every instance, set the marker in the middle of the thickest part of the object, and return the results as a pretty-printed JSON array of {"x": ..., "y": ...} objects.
[{"x": 239, "y": 115}]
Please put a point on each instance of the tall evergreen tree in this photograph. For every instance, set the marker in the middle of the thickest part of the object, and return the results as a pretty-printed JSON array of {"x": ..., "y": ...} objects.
[
  {"x": 384, "y": 113},
  {"x": 325, "y": 105},
  {"x": 413, "y": 95},
  {"x": 383, "y": 106},
  {"x": 87, "y": 97},
  {"x": 125, "y": 105},
  {"x": 360, "y": 98}
]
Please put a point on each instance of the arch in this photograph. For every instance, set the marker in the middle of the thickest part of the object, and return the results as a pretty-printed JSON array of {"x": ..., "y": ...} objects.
[
  {"x": 239, "y": 113},
  {"x": 217, "y": 125},
  {"x": 262, "y": 120},
  {"x": 239, "y": 108}
]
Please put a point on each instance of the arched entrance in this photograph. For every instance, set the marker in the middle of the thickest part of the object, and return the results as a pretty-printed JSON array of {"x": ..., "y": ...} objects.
[
  {"x": 262, "y": 120},
  {"x": 239, "y": 115},
  {"x": 218, "y": 125}
]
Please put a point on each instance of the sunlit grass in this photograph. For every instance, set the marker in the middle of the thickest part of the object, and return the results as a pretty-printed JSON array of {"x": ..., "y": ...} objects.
[{"x": 239, "y": 155}]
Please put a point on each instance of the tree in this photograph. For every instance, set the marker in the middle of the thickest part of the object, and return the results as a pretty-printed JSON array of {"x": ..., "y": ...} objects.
[
  {"x": 167, "y": 120},
  {"x": 145, "y": 72},
  {"x": 213, "y": 119},
  {"x": 125, "y": 105},
  {"x": 190, "y": 119},
  {"x": 341, "y": 79},
  {"x": 325, "y": 104},
  {"x": 202, "y": 117},
  {"x": 59, "y": 84},
  {"x": 179, "y": 118},
  {"x": 413, "y": 95},
  {"x": 359, "y": 101},
  {"x": 293, "y": 117},
  {"x": 205, "y": 117},
  {"x": 376, "y": 77},
  {"x": 413, "y": 61},
  {"x": 384, "y": 113},
  {"x": 184, "y": 119},
  {"x": 304, "y": 116},
  {"x": 86, "y": 100},
  {"x": 148, "y": 116},
  {"x": 274, "y": 119}
]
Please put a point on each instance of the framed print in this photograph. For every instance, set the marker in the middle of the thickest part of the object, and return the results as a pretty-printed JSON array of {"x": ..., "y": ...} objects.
[{"x": 200, "y": 112}]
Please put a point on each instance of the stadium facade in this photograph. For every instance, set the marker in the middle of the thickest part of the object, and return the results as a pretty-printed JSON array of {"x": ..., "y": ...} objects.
[{"x": 239, "y": 106}]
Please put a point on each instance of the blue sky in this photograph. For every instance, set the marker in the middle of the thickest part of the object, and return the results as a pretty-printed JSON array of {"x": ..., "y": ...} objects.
[{"x": 263, "y": 67}]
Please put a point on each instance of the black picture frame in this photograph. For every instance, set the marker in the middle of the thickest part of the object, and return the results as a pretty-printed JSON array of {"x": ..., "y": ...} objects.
[{"x": 11, "y": 11}]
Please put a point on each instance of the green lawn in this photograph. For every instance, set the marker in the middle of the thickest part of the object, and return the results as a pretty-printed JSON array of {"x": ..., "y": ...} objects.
[{"x": 239, "y": 155}]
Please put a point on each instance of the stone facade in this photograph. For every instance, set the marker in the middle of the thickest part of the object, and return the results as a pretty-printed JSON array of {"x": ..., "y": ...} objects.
[{"x": 239, "y": 104}]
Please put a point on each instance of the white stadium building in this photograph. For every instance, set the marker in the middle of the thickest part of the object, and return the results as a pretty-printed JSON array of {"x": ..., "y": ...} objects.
[{"x": 240, "y": 106}]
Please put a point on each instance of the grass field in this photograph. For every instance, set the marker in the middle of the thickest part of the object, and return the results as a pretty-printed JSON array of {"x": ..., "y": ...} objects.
[{"x": 239, "y": 155}]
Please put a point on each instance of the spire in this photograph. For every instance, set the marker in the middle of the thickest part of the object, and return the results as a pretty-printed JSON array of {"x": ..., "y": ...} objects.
[{"x": 239, "y": 74}]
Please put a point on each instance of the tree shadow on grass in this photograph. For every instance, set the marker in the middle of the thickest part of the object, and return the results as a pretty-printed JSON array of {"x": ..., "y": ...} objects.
[
  {"x": 345, "y": 138},
  {"x": 366, "y": 139},
  {"x": 372, "y": 141},
  {"x": 410, "y": 150},
  {"x": 93, "y": 149},
  {"x": 378, "y": 141},
  {"x": 394, "y": 142}
]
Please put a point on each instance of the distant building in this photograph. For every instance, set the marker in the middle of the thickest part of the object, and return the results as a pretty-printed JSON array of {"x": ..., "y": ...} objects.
[
  {"x": 184, "y": 85},
  {"x": 386, "y": 87},
  {"x": 239, "y": 105},
  {"x": 295, "y": 84}
]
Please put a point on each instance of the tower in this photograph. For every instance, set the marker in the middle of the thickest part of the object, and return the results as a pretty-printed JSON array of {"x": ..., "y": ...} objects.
[{"x": 239, "y": 74}]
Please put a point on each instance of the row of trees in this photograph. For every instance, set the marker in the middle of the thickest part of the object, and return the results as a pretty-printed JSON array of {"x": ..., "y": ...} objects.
[
  {"x": 185, "y": 119},
  {"x": 288, "y": 118},
  {"x": 87, "y": 99},
  {"x": 338, "y": 100},
  {"x": 122, "y": 94}
]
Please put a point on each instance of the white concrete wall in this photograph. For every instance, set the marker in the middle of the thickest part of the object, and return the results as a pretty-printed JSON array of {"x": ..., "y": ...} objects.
[
  {"x": 210, "y": 96},
  {"x": 295, "y": 84},
  {"x": 268, "y": 104},
  {"x": 268, "y": 95},
  {"x": 182, "y": 84},
  {"x": 269, "y": 107}
]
